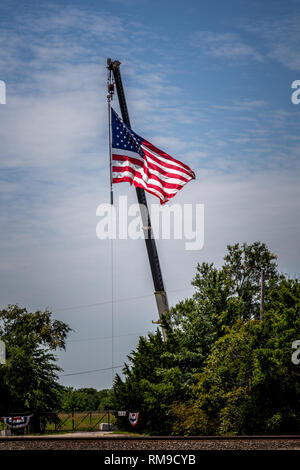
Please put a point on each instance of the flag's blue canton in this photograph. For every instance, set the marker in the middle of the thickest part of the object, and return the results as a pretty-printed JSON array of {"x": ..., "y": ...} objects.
[{"x": 123, "y": 137}]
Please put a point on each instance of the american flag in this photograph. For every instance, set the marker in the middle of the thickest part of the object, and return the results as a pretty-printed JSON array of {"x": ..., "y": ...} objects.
[{"x": 137, "y": 161}]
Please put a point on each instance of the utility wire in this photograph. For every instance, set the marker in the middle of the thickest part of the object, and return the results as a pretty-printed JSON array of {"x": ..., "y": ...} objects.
[
  {"x": 102, "y": 337},
  {"x": 108, "y": 302},
  {"x": 90, "y": 371}
]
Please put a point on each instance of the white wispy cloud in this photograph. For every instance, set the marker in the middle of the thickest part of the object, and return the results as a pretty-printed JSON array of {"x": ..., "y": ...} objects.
[
  {"x": 244, "y": 105},
  {"x": 281, "y": 38},
  {"x": 227, "y": 46},
  {"x": 267, "y": 39},
  {"x": 54, "y": 164}
]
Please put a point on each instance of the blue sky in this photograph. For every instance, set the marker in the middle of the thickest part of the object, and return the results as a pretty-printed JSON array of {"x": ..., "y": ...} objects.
[{"x": 209, "y": 82}]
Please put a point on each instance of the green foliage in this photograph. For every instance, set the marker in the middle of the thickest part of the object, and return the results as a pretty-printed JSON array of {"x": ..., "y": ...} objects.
[
  {"x": 242, "y": 268},
  {"x": 85, "y": 399},
  {"x": 139, "y": 391},
  {"x": 249, "y": 384},
  {"x": 221, "y": 370},
  {"x": 28, "y": 380}
]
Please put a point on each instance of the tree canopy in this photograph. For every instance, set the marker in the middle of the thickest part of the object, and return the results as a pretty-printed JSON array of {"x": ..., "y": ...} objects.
[
  {"x": 222, "y": 369},
  {"x": 85, "y": 399},
  {"x": 28, "y": 379}
]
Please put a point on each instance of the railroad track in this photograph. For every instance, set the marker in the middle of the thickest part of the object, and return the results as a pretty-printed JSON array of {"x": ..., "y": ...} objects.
[{"x": 97, "y": 441}]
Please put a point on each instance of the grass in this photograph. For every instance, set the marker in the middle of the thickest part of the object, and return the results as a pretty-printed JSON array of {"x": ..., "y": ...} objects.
[{"x": 79, "y": 421}]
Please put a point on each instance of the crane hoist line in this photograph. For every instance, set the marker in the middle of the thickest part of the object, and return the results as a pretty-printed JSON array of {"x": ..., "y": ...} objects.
[{"x": 114, "y": 79}]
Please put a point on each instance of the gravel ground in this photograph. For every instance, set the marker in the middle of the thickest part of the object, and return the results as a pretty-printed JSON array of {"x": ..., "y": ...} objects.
[{"x": 114, "y": 442}]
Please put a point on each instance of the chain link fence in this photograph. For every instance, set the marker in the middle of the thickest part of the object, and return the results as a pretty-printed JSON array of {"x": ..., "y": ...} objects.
[{"x": 63, "y": 421}]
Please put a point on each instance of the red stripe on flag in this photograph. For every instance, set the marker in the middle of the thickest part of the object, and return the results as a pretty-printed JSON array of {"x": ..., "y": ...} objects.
[
  {"x": 151, "y": 166},
  {"x": 168, "y": 165},
  {"x": 168, "y": 157},
  {"x": 123, "y": 169},
  {"x": 124, "y": 158}
]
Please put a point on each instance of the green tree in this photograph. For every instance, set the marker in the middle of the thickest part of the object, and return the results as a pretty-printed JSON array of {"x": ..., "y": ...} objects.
[
  {"x": 163, "y": 376},
  {"x": 249, "y": 384},
  {"x": 85, "y": 399},
  {"x": 136, "y": 392},
  {"x": 28, "y": 380},
  {"x": 105, "y": 399},
  {"x": 222, "y": 296},
  {"x": 242, "y": 268}
]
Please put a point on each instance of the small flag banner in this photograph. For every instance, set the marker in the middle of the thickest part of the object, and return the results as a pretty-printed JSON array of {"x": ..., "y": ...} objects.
[
  {"x": 133, "y": 418},
  {"x": 16, "y": 422}
]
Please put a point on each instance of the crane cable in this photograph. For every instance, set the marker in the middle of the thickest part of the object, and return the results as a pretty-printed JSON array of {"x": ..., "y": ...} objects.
[{"x": 110, "y": 93}]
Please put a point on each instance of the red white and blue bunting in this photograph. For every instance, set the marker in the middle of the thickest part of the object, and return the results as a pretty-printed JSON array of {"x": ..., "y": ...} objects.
[
  {"x": 133, "y": 418},
  {"x": 16, "y": 422}
]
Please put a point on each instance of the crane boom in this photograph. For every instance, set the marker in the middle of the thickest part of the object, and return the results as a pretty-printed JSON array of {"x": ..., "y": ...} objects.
[{"x": 160, "y": 294}]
